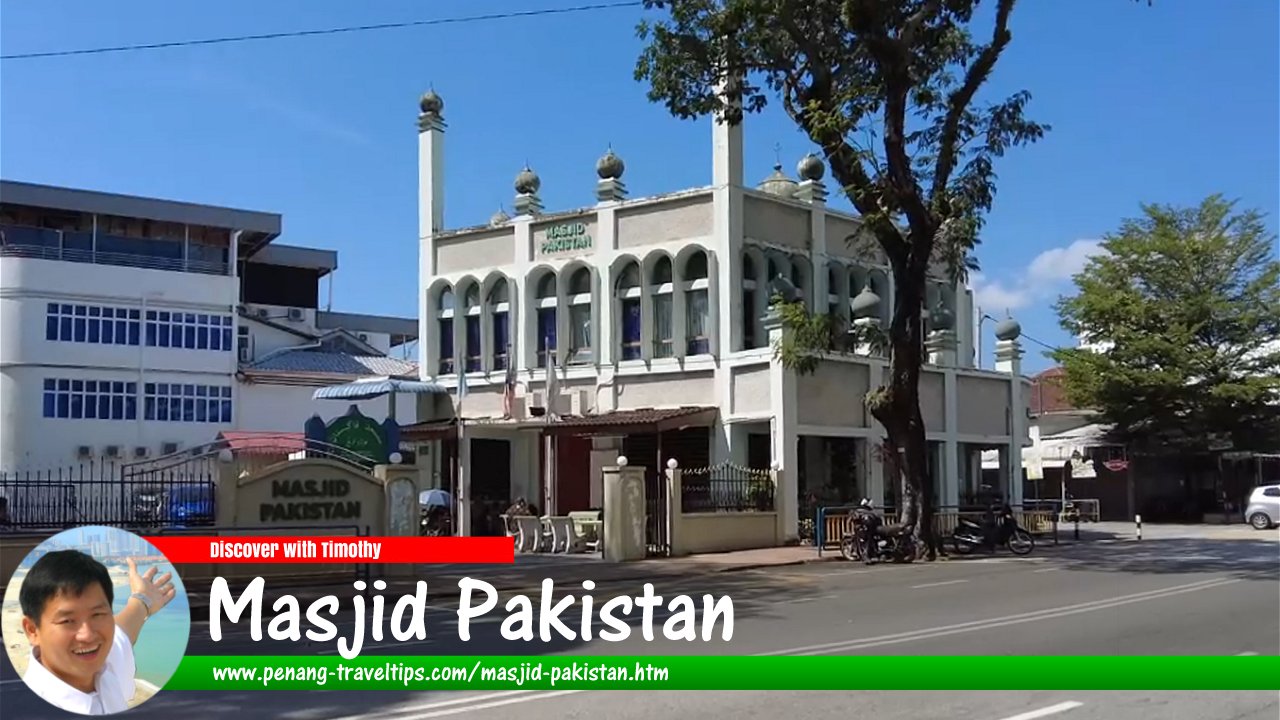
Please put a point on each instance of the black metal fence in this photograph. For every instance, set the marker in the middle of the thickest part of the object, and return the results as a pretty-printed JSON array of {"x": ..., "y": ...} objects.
[
  {"x": 727, "y": 488},
  {"x": 110, "y": 494}
]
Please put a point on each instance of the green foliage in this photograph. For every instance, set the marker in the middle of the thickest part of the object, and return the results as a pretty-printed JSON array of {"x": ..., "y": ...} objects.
[
  {"x": 886, "y": 88},
  {"x": 1187, "y": 301}
]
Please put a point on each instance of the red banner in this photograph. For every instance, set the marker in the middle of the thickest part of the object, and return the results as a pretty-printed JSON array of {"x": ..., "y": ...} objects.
[{"x": 284, "y": 549}]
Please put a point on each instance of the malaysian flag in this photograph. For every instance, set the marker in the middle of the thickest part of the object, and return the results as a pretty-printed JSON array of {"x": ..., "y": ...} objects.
[{"x": 509, "y": 387}]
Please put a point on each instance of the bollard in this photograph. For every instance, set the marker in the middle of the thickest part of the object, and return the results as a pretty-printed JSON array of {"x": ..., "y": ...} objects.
[{"x": 1137, "y": 520}]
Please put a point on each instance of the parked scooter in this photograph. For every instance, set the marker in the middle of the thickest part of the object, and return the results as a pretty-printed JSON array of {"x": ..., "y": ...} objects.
[
  {"x": 999, "y": 528},
  {"x": 437, "y": 521}
]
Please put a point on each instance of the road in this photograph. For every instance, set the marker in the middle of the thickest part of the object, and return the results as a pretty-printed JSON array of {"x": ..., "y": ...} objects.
[{"x": 1193, "y": 595}]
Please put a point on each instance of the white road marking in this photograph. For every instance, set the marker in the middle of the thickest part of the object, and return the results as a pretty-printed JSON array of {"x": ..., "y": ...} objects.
[
  {"x": 1045, "y": 712},
  {"x": 1044, "y": 614},
  {"x": 938, "y": 584},
  {"x": 1045, "y": 570},
  {"x": 525, "y": 697},
  {"x": 1246, "y": 654},
  {"x": 6, "y": 682},
  {"x": 448, "y": 703}
]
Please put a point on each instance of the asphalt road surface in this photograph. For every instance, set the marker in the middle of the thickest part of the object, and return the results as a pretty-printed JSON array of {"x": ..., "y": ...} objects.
[{"x": 1163, "y": 596}]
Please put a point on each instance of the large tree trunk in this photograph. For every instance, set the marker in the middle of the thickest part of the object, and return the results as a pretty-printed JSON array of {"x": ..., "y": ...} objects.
[{"x": 898, "y": 410}]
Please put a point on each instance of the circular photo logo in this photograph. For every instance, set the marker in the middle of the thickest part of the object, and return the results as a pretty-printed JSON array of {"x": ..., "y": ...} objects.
[{"x": 95, "y": 621}]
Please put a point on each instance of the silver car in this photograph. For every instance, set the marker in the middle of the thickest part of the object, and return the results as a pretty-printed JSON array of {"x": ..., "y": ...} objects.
[{"x": 1263, "y": 511}]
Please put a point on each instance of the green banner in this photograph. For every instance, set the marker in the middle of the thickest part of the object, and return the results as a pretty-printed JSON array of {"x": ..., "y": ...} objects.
[{"x": 709, "y": 672}]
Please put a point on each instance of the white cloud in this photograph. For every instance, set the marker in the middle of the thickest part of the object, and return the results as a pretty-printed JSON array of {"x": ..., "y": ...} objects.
[{"x": 1043, "y": 278}]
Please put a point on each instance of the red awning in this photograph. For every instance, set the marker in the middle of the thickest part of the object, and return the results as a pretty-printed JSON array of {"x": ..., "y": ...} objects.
[{"x": 264, "y": 443}]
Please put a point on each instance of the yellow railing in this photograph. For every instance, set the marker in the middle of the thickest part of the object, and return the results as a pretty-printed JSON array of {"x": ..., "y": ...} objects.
[{"x": 944, "y": 522}]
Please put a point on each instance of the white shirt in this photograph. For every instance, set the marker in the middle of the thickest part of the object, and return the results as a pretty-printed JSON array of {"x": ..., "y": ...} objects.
[{"x": 114, "y": 686}]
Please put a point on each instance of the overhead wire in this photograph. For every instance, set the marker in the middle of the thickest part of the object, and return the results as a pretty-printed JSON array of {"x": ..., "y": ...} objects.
[{"x": 325, "y": 31}]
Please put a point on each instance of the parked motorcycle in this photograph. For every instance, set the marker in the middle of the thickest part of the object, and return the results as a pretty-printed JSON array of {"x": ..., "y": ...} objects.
[
  {"x": 437, "y": 522},
  {"x": 868, "y": 539},
  {"x": 1000, "y": 529}
]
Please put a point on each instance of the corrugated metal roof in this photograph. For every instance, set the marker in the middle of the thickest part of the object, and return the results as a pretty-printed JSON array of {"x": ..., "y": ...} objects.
[
  {"x": 369, "y": 389},
  {"x": 330, "y": 363}
]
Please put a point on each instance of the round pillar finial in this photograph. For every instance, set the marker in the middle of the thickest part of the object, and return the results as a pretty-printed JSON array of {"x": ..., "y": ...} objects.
[
  {"x": 225, "y": 455},
  {"x": 1008, "y": 329},
  {"x": 672, "y": 464},
  {"x": 395, "y": 458},
  {"x": 622, "y": 461},
  {"x": 430, "y": 103}
]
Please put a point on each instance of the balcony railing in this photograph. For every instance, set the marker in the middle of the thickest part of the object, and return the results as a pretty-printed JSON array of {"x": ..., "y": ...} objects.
[{"x": 79, "y": 247}]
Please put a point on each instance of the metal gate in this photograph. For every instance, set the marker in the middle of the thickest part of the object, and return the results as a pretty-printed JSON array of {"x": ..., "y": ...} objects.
[{"x": 657, "y": 514}]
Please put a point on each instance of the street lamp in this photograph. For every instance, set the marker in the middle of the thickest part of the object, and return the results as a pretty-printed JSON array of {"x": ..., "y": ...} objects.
[{"x": 985, "y": 317}]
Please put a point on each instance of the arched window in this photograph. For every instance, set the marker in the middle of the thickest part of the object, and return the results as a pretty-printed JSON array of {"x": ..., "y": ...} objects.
[
  {"x": 663, "y": 326},
  {"x": 579, "y": 297},
  {"x": 444, "y": 329},
  {"x": 500, "y": 314},
  {"x": 471, "y": 307},
  {"x": 629, "y": 301},
  {"x": 697, "y": 305},
  {"x": 546, "y": 328},
  {"x": 749, "y": 291}
]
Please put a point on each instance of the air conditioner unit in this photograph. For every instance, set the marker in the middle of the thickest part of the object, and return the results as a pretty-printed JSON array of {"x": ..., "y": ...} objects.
[
  {"x": 141, "y": 451},
  {"x": 262, "y": 312},
  {"x": 111, "y": 451},
  {"x": 84, "y": 451},
  {"x": 296, "y": 314},
  {"x": 169, "y": 448},
  {"x": 364, "y": 337}
]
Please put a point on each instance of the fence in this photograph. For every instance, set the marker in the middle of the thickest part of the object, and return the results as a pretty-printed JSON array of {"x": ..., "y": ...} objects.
[
  {"x": 726, "y": 488},
  {"x": 107, "y": 494}
]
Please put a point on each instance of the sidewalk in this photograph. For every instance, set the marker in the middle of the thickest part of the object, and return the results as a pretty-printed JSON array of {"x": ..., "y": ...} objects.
[{"x": 566, "y": 571}]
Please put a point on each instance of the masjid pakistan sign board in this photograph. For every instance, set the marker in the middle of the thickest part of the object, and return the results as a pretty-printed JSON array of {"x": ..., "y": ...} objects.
[{"x": 566, "y": 238}]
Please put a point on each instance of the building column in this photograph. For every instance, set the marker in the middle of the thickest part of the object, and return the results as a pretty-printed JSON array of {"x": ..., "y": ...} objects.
[
  {"x": 462, "y": 521},
  {"x": 783, "y": 435},
  {"x": 950, "y": 481},
  {"x": 1009, "y": 360}
]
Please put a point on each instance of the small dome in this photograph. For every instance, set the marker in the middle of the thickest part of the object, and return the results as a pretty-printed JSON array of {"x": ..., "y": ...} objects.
[
  {"x": 499, "y": 217},
  {"x": 1008, "y": 329},
  {"x": 431, "y": 104},
  {"x": 810, "y": 168},
  {"x": 527, "y": 182},
  {"x": 610, "y": 167},
  {"x": 941, "y": 317},
  {"x": 865, "y": 304},
  {"x": 778, "y": 184}
]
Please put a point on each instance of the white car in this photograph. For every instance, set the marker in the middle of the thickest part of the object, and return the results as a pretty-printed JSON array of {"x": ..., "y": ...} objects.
[{"x": 1263, "y": 510}]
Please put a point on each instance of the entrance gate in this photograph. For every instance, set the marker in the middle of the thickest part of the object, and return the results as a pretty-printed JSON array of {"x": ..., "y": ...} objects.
[{"x": 657, "y": 514}]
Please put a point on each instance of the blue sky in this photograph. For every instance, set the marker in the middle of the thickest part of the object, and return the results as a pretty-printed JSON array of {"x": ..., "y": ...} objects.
[{"x": 1165, "y": 104}]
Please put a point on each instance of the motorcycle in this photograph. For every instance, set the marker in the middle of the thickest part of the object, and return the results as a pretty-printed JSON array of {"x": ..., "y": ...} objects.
[
  {"x": 868, "y": 539},
  {"x": 436, "y": 522},
  {"x": 1001, "y": 529}
]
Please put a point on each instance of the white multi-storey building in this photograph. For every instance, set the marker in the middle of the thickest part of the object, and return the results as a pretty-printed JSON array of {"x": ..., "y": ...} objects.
[
  {"x": 134, "y": 327},
  {"x": 654, "y": 309}
]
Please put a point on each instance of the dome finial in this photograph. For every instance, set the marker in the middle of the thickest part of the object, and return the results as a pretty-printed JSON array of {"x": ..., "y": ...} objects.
[
  {"x": 610, "y": 166},
  {"x": 431, "y": 103}
]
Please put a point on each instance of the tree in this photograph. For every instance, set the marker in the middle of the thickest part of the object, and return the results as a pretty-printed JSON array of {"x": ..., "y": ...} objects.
[
  {"x": 888, "y": 89},
  {"x": 1184, "y": 308}
]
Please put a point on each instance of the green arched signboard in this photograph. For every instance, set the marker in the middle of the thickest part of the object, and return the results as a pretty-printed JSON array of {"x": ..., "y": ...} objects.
[{"x": 359, "y": 435}]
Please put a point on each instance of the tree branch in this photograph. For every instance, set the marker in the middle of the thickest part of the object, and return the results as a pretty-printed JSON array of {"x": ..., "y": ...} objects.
[{"x": 960, "y": 99}]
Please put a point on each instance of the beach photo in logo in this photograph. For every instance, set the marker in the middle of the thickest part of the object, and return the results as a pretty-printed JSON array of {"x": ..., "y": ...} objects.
[{"x": 96, "y": 620}]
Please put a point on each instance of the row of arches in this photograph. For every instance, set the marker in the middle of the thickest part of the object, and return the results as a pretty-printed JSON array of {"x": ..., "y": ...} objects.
[
  {"x": 659, "y": 306},
  {"x": 643, "y": 307}
]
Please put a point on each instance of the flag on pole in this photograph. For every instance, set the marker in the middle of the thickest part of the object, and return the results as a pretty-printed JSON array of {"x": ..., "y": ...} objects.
[{"x": 509, "y": 387}]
